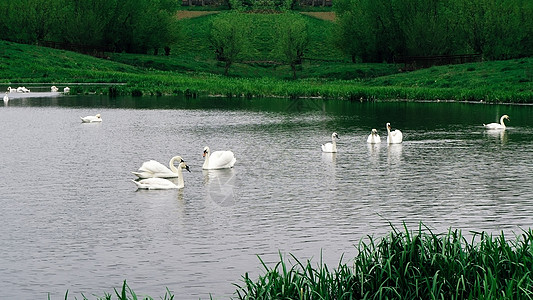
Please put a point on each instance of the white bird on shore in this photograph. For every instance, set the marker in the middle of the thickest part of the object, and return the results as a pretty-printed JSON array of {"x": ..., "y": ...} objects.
[
  {"x": 218, "y": 159},
  {"x": 331, "y": 147},
  {"x": 162, "y": 183},
  {"x": 54, "y": 89},
  {"x": 66, "y": 90},
  {"x": 91, "y": 119},
  {"x": 373, "y": 138},
  {"x": 500, "y": 125},
  {"x": 393, "y": 137},
  {"x": 11, "y": 90},
  {"x": 152, "y": 168},
  {"x": 22, "y": 89}
]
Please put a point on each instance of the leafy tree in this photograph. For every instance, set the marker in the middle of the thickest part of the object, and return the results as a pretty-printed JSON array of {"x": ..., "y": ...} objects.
[
  {"x": 292, "y": 39},
  {"x": 228, "y": 37}
]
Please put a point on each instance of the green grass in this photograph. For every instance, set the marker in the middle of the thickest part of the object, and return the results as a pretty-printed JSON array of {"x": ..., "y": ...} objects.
[
  {"x": 409, "y": 265},
  {"x": 191, "y": 69}
]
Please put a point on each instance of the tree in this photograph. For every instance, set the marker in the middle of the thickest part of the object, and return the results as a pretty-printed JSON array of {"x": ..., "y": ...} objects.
[
  {"x": 292, "y": 39},
  {"x": 228, "y": 38}
]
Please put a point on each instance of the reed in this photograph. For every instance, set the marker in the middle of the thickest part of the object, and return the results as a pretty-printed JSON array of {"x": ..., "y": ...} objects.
[{"x": 409, "y": 265}]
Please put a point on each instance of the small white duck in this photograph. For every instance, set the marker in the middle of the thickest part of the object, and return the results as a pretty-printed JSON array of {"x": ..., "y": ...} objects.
[
  {"x": 373, "y": 138},
  {"x": 91, "y": 119},
  {"x": 331, "y": 147},
  {"x": 501, "y": 125},
  {"x": 393, "y": 137},
  {"x": 218, "y": 159}
]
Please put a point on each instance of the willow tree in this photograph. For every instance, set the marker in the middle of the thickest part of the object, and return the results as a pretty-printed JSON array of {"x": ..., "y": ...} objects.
[
  {"x": 228, "y": 37},
  {"x": 291, "y": 39}
]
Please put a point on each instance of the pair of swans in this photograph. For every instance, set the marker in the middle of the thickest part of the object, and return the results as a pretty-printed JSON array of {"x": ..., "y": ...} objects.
[
  {"x": 497, "y": 126},
  {"x": 393, "y": 137},
  {"x": 20, "y": 89},
  {"x": 153, "y": 175},
  {"x": 91, "y": 119}
]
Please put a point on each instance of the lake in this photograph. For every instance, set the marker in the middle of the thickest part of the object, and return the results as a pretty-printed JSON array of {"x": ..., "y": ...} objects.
[{"x": 73, "y": 220}]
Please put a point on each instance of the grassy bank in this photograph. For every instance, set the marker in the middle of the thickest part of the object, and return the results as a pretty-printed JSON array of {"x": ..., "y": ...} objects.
[
  {"x": 402, "y": 265},
  {"x": 497, "y": 81}
]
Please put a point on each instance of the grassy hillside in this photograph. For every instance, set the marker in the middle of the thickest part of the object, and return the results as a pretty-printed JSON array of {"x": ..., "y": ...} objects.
[{"x": 192, "y": 69}]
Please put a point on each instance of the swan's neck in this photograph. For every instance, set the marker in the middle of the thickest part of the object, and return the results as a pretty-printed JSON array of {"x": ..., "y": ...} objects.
[
  {"x": 181, "y": 182},
  {"x": 206, "y": 162},
  {"x": 501, "y": 121},
  {"x": 172, "y": 167},
  {"x": 388, "y": 132}
]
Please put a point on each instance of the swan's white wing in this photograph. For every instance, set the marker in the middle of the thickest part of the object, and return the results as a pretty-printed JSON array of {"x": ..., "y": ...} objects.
[
  {"x": 328, "y": 147},
  {"x": 493, "y": 126},
  {"x": 222, "y": 159},
  {"x": 153, "y": 166}
]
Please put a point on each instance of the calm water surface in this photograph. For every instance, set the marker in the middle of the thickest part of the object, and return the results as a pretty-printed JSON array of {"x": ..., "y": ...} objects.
[{"x": 73, "y": 220}]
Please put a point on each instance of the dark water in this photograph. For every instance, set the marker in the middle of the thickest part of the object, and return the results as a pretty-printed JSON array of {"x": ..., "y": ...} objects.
[{"x": 73, "y": 220}]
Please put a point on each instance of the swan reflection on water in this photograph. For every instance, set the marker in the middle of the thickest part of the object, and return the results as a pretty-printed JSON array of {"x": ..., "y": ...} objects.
[
  {"x": 329, "y": 157},
  {"x": 394, "y": 152},
  {"x": 220, "y": 185},
  {"x": 373, "y": 151},
  {"x": 500, "y": 134}
]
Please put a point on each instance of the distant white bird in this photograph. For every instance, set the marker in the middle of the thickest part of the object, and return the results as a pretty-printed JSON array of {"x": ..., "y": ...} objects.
[
  {"x": 218, "y": 159},
  {"x": 66, "y": 90},
  {"x": 91, "y": 119},
  {"x": 373, "y": 138},
  {"x": 22, "y": 89},
  {"x": 500, "y": 125},
  {"x": 162, "y": 183},
  {"x": 11, "y": 90},
  {"x": 54, "y": 89},
  {"x": 154, "y": 168},
  {"x": 331, "y": 147},
  {"x": 6, "y": 98},
  {"x": 394, "y": 137}
]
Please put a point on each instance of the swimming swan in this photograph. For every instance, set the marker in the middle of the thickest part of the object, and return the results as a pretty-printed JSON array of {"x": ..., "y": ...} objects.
[
  {"x": 218, "y": 159},
  {"x": 501, "y": 125},
  {"x": 373, "y": 138},
  {"x": 91, "y": 119},
  {"x": 6, "y": 97},
  {"x": 162, "y": 183},
  {"x": 393, "y": 137},
  {"x": 154, "y": 168},
  {"x": 331, "y": 147}
]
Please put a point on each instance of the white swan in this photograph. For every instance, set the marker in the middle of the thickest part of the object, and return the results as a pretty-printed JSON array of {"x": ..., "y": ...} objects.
[
  {"x": 373, "y": 138},
  {"x": 218, "y": 159},
  {"x": 331, "y": 147},
  {"x": 154, "y": 168},
  {"x": 66, "y": 90},
  {"x": 22, "y": 89},
  {"x": 11, "y": 90},
  {"x": 162, "y": 183},
  {"x": 393, "y": 137},
  {"x": 54, "y": 89},
  {"x": 500, "y": 125},
  {"x": 6, "y": 98},
  {"x": 91, "y": 119}
]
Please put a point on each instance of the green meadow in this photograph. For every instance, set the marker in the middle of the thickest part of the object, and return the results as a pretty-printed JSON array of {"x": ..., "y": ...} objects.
[{"x": 191, "y": 68}]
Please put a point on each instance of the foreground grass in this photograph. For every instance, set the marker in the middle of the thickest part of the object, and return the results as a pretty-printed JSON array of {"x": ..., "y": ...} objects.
[
  {"x": 402, "y": 265},
  {"x": 497, "y": 81}
]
